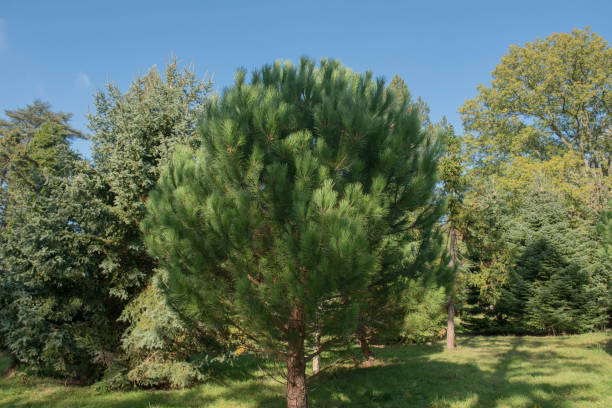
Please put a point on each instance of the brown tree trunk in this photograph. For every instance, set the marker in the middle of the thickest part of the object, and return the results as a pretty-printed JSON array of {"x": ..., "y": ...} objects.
[
  {"x": 316, "y": 360},
  {"x": 365, "y": 347},
  {"x": 450, "y": 326},
  {"x": 296, "y": 363}
]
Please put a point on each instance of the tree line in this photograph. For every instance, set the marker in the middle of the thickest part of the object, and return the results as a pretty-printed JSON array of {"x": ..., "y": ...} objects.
[{"x": 302, "y": 211}]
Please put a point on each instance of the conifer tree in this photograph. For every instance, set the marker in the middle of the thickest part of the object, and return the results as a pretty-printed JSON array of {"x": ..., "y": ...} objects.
[
  {"x": 557, "y": 283},
  {"x": 414, "y": 258},
  {"x": 604, "y": 228},
  {"x": 53, "y": 307},
  {"x": 134, "y": 135},
  {"x": 279, "y": 223}
]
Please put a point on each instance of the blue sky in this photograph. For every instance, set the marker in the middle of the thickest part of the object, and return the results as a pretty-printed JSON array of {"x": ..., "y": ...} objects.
[{"x": 61, "y": 51}]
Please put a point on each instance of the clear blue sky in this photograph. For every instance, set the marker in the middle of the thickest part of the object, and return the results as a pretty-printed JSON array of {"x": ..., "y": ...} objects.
[{"x": 60, "y": 51}]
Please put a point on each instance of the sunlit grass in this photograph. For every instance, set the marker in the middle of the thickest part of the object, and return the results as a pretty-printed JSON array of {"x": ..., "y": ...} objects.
[{"x": 569, "y": 371}]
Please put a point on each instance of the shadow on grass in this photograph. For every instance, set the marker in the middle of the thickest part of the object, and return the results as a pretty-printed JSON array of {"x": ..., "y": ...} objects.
[
  {"x": 408, "y": 377},
  {"x": 607, "y": 346},
  {"x": 405, "y": 376},
  {"x": 409, "y": 381}
]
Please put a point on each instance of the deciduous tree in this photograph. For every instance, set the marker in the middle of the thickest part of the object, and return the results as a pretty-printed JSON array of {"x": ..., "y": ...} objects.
[{"x": 546, "y": 97}]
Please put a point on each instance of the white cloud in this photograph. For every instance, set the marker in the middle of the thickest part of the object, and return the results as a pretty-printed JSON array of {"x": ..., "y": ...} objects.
[
  {"x": 82, "y": 80},
  {"x": 3, "y": 43}
]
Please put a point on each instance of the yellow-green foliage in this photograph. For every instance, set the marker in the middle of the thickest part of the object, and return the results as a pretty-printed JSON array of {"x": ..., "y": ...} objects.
[
  {"x": 564, "y": 174},
  {"x": 546, "y": 97}
]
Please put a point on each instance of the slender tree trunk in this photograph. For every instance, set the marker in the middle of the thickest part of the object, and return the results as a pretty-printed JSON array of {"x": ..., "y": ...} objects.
[
  {"x": 296, "y": 363},
  {"x": 316, "y": 360},
  {"x": 365, "y": 347},
  {"x": 450, "y": 325}
]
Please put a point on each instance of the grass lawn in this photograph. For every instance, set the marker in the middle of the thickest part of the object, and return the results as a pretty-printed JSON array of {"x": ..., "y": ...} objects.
[{"x": 488, "y": 372}]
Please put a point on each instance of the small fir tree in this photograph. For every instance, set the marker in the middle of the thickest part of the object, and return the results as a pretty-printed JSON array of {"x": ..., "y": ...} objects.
[{"x": 555, "y": 282}]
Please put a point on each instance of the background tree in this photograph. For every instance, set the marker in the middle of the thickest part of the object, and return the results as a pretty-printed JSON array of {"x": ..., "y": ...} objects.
[
  {"x": 16, "y": 133},
  {"x": 424, "y": 317},
  {"x": 542, "y": 124},
  {"x": 546, "y": 97},
  {"x": 418, "y": 105},
  {"x": 277, "y": 225},
  {"x": 454, "y": 186},
  {"x": 557, "y": 282},
  {"x": 72, "y": 253},
  {"x": 29, "y": 120},
  {"x": 605, "y": 230},
  {"x": 134, "y": 135},
  {"x": 54, "y": 312}
]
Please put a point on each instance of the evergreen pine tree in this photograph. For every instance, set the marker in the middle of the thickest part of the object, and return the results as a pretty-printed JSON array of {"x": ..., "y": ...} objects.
[
  {"x": 413, "y": 258},
  {"x": 278, "y": 225}
]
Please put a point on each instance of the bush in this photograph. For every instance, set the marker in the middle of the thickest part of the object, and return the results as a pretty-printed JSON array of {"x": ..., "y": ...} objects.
[
  {"x": 114, "y": 379},
  {"x": 172, "y": 374},
  {"x": 425, "y": 313}
]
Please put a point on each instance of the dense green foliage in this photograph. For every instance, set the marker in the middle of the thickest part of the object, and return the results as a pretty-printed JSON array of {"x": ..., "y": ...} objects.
[
  {"x": 537, "y": 149},
  {"x": 134, "y": 134},
  {"x": 301, "y": 210},
  {"x": 401, "y": 293},
  {"x": 54, "y": 314},
  {"x": 424, "y": 314},
  {"x": 303, "y": 196},
  {"x": 73, "y": 264},
  {"x": 562, "y": 278},
  {"x": 534, "y": 267}
]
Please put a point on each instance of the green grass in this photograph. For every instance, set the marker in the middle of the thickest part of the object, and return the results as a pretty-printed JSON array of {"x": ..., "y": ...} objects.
[{"x": 488, "y": 372}]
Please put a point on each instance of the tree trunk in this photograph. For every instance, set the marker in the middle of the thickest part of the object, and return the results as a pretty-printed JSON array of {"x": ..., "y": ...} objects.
[
  {"x": 450, "y": 326},
  {"x": 365, "y": 348},
  {"x": 296, "y": 363},
  {"x": 316, "y": 360}
]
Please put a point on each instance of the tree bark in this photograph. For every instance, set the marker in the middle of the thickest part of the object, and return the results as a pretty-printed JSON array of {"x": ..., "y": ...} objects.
[
  {"x": 450, "y": 325},
  {"x": 316, "y": 360},
  {"x": 365, "y": 347},
  {"x": 296, "y": 363}
]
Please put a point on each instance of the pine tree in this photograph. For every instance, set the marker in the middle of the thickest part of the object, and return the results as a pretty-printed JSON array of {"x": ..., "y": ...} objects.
[
  {"x": 413, "y": 257},
  {"x": 278, "y": 225}
]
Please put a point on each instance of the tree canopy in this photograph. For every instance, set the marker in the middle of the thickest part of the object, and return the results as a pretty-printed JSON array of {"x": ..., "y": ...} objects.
[
  {"x": 302, "y": 189},
  {"x": 546, "y": 97}
]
